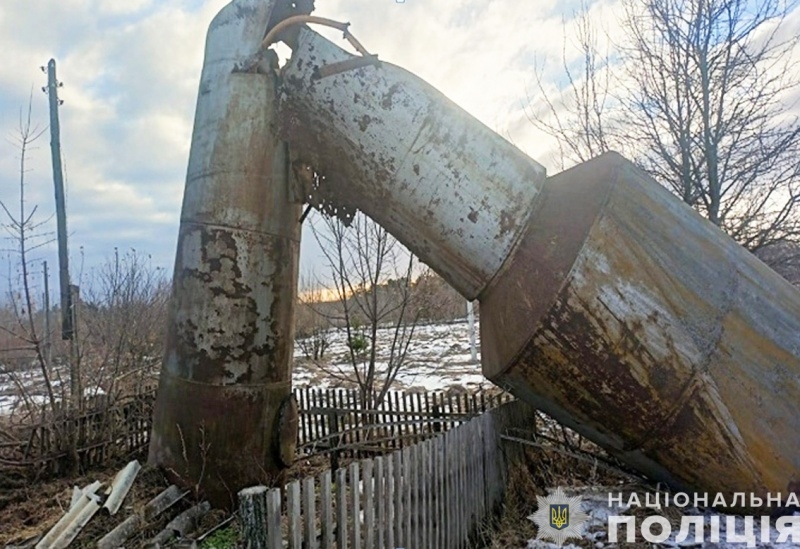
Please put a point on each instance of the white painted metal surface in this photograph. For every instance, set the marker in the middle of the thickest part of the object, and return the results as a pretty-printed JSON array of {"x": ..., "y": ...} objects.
[{"x": 453, "y": 191}]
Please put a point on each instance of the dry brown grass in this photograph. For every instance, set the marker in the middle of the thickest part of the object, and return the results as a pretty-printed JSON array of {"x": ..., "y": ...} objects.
[{"x": 534, "y": 473}]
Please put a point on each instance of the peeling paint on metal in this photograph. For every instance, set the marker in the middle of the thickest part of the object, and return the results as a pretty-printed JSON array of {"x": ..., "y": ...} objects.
[
  {"x": 392, "y": 146},
  {"x": 636, "y": 322},
  {"x": 227, "y": 364}
]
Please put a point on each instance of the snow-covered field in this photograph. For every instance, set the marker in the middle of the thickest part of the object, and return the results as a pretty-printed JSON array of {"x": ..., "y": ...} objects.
[{"x": 438, "y": 357}]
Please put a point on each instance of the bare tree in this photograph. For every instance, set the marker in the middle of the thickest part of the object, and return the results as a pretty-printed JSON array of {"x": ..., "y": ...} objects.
[
  {"x": 701, "y": 97},
  {"x": 122, "y": 324},
  {"x": 23, "y": 333},
  {"x": 578, "y": 116},
  {"x": 709, "y": 85},
  {"x": 313, "y": 321},
  {"x": 371, "y": 276}
]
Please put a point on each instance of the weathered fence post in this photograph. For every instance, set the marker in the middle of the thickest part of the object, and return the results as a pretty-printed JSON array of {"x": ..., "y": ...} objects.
[{"x": 253, "y": 516}]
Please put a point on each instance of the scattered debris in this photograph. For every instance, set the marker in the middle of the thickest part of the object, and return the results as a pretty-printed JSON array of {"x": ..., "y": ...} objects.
[
  {"x": 120, "y": 486},
  {"x": 70, "y": 525},
  {"x": 133, "y": 524},
  {"x": 182, "y": 525},
  {"x": 85, "y": 504}
]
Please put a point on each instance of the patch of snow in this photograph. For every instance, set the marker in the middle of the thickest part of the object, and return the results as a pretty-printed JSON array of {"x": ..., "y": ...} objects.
[{"x": 438, "y": 357}]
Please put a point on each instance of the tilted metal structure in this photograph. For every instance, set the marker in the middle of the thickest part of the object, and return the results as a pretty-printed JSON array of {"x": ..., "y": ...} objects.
[{"x": 605, "y": 301}]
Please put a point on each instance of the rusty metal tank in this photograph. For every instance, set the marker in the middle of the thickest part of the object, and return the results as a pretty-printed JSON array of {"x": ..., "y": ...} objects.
[
  {"x": 224, "y": 417},
  {"x": 605, "y": 301},
  {"x": 628, "y": 317}
]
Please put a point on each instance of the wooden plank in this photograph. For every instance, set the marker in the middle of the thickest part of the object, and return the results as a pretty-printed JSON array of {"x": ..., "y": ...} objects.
[
  {"x": 416, "y": 487},
  {"x": 409, "y": 479},
  {"x": 450, "y": 410},
  {"x": 389, "y": 421},
  {"x": 397, "y": 486},
  {"x": 341, "y": 508},
  {"x": 389, "y": 499},
  {"x": 400, "y": 428},
  {"x": 473, "y": 458},
  {"x": 429, "y": 425},
  {"x": 452, "y": 475},
  {"x": 274, "y": 534},
  {"x": 380, "y": 502},
  {"x": 464, "y": 482},
  {"x": 445, "y": 495},
  {"x": 408, "y": 506},
  {"x": 293, "y": 515},
  {"x": 424, "y": 481},
  {"x": 441, "y": 501},
  {"x": 479, "y": 477},
  {"x": 369, "y": 503},
  {"x": 326, "y": 510},
  {"x": 314, "y": 425},
  {"x": 309, "y": 514},
  {"x": 338, "y": 418},
  {"x": 355, "y": 504},
  {"x": 354, "y": 419},
  {"x": 303, "y": 405},
  {"x": 419, "y": 416},
  {"x": 437, "y": 412},
  {"x": 458, "y": 495}
]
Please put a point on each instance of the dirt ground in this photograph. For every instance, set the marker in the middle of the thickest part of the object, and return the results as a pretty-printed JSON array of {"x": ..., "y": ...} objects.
[{"x": 28, "y": 510}]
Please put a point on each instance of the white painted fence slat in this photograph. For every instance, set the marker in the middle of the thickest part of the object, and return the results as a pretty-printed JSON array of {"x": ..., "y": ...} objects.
[
  {"x": 309, "y": 513},
  {"x": 274, "y": 534},
  {"x": 390, "y": 503},
  {"x": 380, "y": 503},
  {"x": 369, "y": 503},
  {"x": 326, "y": 510},
  {"x": 341, "y": 508},
  {"x": 293, "y": 505},
  {"x": 355, "y": 504}
]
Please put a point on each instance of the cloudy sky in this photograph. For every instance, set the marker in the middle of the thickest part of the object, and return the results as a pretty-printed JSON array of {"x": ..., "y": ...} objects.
[{"x": 131, "y": 67}]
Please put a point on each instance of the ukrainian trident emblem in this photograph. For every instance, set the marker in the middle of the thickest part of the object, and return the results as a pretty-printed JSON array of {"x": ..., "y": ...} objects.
[{"x": 559, "y": 516}]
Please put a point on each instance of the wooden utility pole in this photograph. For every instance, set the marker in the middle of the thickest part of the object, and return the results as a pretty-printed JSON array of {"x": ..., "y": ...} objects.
[{"x": 67, "y": 312}]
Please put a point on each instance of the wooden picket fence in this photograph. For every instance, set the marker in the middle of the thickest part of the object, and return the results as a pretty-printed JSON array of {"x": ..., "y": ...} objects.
[
  {"x": 330, "y": 420},
  {"x": 339, "y": 420},
  {"x": 104, "y": 431},
  {"x": 430, "y": 495}
]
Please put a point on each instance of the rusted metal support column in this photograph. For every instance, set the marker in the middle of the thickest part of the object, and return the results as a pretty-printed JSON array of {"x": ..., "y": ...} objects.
[
  {"x": 226, "y": 376},
  {"x": 388, "y": 143},
  {"x": 628, "y": 317}
]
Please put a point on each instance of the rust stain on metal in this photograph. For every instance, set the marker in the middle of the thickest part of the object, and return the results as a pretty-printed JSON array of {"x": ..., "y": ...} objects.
[
  {"x": 629, "y": 318},
  {"x": 227, "y": 364}
]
